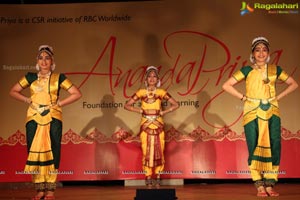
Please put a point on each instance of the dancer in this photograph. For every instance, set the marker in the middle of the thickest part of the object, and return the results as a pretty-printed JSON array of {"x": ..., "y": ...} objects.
[
  {"x": 261, "y": 117},
  {"x": 151, "y": 130},
  {"x": 44, "y": 120}
]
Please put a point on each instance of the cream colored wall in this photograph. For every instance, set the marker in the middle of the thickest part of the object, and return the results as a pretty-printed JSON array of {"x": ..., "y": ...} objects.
[{"x": 189, "y": 28}]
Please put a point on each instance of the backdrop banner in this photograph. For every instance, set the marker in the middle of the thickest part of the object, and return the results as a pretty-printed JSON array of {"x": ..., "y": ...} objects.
[{"x": 104, "y": 49}]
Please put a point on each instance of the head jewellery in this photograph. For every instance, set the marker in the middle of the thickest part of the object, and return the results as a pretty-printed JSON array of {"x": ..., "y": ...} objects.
[
  {"x": 255, "y": 42},
  {"x": 259, "y": 40},
  {"x": 47, "y": 49}
]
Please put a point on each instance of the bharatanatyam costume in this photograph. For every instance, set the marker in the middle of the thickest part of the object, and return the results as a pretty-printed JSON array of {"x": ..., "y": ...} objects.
[
  {"x": 261, "y": 121},
  {"x": 151, "y": 130},
  {"x": 44, "y": 128}
]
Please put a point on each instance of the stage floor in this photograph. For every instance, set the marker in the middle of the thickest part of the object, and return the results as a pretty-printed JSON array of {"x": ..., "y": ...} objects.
[{"x": 191, "y": 191}]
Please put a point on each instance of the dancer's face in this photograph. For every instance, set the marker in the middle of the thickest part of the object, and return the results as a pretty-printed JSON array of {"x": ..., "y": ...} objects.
[
  {"x": 152, "y": 79},
  {"x": 261, "y": 53},
  {"x": 44, "y": 61}
]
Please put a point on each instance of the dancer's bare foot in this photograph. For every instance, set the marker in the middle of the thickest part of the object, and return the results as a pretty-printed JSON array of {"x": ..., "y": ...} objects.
[
  {"x": 271, "y": 192},
  {"x": 39, "y": 195},
  {"x": 50, "y": 195},
  {"x": 148, "y": 181},
  {"x": 157, "y": 181},
  {"x": 261, "y": 192}
]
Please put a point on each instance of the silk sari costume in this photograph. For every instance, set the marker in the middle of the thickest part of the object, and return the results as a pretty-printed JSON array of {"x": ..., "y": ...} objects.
[
  {"x": 44, "y": 126},
  {"x": 261, "y": 120},
  {"x": 151, "y": 131}
]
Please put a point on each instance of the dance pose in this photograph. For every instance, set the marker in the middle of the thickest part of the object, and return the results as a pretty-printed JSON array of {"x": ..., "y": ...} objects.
[
  {"x": 261, "y": 118},
  {"x": 152, "y": 126},
  {"x": 44, "y": 120}
]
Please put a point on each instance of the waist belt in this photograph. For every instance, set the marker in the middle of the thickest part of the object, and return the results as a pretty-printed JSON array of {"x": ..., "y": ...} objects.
[
  {"x": 41, "y": 108},
  {"x": 151, "y": 117},
  {"x": 264, "y": 101}
]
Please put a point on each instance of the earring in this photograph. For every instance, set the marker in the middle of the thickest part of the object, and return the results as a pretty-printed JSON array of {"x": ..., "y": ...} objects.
[
  {"x": 252, "y": 59},
  {"x": 37, "y": 67},
  {"x": 268, "y": 59},
  {"x": 158, "y": 83},
  {"x": 53, "y": 64},
  {"x": 52, "y": 67}
]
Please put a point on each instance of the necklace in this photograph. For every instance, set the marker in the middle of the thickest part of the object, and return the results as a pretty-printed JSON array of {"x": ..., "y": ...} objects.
[
  {"x": 42, "y": 80},
  {"x": 263, "y": 69},
  {"x": 150, "y": 95}
]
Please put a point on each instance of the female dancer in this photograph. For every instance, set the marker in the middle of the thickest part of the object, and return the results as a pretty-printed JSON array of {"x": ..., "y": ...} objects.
[
  {"x": 261, "y": 117},
  {"x": 151, "y": 131},
  {"x": 44, "y": 120}
]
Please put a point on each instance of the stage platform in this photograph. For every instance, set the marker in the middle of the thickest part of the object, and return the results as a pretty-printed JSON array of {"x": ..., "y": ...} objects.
[{"x": 116, "y": 190}]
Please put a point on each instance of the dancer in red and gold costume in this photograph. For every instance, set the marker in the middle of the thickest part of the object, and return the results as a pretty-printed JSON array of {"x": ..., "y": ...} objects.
[{"x": 152, "y": 126}]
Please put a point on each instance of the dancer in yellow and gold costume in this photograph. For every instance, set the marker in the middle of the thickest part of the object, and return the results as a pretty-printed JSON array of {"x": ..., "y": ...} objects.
[
  {"x": 44, "y": 120},
  {"x": 152, "y": 125},
  {"x": 261, "y": 117}
]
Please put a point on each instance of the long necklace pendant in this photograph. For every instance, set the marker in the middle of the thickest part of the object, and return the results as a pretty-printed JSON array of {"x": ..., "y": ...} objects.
[{"x": 39, "y": 88}]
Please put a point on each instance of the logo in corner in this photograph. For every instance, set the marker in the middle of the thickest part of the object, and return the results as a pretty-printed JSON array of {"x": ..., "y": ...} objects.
[{"x": 246, "y": 8}]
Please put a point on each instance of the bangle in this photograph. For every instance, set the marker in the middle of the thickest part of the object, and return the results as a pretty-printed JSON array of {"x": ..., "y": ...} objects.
[
  {"x": 27, "y": 100},
  {"x": 242, "y": 97}
]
